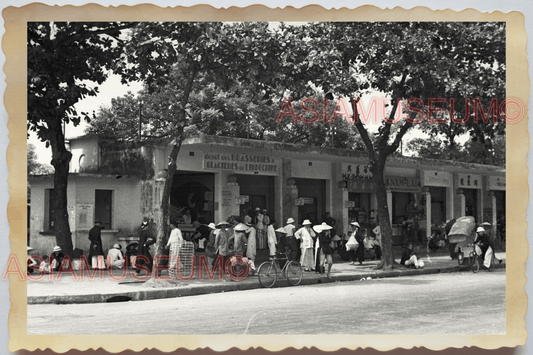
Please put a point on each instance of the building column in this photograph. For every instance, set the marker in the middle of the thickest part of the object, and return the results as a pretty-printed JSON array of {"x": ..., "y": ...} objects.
[
  {"x": 449, "y": 204},
  {"x": 494, "y": 214},
  {"x": 427, "y": 194},
  {"x": 229, "y": 192},
  {"x": 342, "y": 210},
  {"x": 461, "y": 201}
]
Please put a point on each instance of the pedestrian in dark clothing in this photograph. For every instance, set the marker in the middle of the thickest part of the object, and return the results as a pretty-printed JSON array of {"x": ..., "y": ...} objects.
[
  {"x": 287, "y": 244},
  {"x": 96, "y": 252},
  {"x": 146, "y": 238},
  {"x": 330, "y": 221},
  {"x": 324, "y": 238}
]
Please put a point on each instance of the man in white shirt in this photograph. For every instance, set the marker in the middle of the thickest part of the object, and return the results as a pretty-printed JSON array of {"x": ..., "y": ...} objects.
[{"x": 115, "y": 258}]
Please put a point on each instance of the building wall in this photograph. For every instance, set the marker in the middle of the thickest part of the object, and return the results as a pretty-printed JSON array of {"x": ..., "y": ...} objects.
[
  {"x": 126, "y": 210},
  {"x": 232, "y": 160},
  {"x": 88, "y": 148}
]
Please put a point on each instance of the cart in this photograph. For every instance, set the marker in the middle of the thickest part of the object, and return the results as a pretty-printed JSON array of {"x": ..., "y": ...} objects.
[{"x": 463, "y": 232}]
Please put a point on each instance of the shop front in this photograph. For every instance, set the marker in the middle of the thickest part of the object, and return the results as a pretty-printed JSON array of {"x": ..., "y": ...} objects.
[
  {"x": 405, "y": 208},
  {"x": 496, "y": 186},
  {"x": 312, "y": 181},
  {"x": 469, "y": 186},
  {"x": 438, "y": 198}
]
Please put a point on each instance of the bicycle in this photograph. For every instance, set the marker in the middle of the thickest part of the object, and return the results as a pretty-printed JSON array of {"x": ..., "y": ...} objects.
[
  {"x": 268, "y": 271},
  {"x": 475, "y": 261}
]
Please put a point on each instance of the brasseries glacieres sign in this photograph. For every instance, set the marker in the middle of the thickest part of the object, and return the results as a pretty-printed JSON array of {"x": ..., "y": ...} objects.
[{"x": 249, "y": 163}]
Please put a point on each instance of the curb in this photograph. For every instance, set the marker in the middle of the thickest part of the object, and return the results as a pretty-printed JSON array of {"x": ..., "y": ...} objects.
[{"x": 229, "y": 286}]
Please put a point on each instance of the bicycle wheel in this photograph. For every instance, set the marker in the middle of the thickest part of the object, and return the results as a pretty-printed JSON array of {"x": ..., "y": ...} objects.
[
  {"x": 294, "y": 273},
  {"x": 492, "y": 262},
  {"x": 460, "y": 258},
  {"x": 267, "y": 274},
  {"x": 473, "y": 261}
]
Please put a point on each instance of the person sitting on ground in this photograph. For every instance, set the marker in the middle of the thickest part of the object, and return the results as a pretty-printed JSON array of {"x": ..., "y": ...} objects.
[
  {"x": 410, "y": 259},
  {"x": 115, "y": 258},
  {"x": 56, "y": 258},
  {"x": 30, "y": 262},
  {"x": 44, "y": 267}
]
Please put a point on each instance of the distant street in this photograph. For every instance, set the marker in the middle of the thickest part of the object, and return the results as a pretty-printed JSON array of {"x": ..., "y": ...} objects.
[{"x": 455, "y": 303}]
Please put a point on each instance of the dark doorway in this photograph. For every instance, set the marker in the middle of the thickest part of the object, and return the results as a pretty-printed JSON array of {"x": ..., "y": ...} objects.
[
  {"x": 103, "y": 208},
  {"x": 195, "y": 192},
  {"x": 313, "y": 193},
  {"x": 471, "y": 202}
]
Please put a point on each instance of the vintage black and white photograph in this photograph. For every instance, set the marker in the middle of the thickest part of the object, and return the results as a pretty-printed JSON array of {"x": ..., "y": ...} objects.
[{"x": 267, "y": 178}]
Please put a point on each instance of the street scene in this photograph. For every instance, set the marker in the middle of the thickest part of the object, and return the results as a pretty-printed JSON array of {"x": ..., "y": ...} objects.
[{"x": 326, "y": 177}]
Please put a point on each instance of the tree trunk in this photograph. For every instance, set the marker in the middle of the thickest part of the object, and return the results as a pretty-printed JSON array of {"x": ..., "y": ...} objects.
[
  {"x": 387, "y": 256},
  {"x": 60, "y": 161},
  {"x": 163, "y": 223}
]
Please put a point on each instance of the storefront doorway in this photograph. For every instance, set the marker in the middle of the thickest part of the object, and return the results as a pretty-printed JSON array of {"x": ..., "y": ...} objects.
[
  {"x": 471, "y": 203},
  {"x": 260, "y": 192},
  {"x": 438, "y": 204},
  {"x": 193, "y": 191},
  {"x": 313, "y": 194}
]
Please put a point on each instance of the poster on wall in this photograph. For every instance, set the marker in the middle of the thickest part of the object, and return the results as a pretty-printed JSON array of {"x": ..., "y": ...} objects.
[{"x": 85, "y": 213}]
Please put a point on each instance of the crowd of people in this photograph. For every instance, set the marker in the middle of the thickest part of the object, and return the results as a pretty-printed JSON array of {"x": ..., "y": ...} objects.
[{"x": 312, "y": 245}]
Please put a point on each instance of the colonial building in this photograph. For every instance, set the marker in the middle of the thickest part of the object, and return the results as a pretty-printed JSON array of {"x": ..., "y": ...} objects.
[{"x": 218, "y": 177}]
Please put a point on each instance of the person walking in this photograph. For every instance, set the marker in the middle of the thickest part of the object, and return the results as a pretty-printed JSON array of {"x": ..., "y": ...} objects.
[
  {"x": 251, "y": 249},
  {"x": 222, "y": 241},
  {"x": 96, "y": 252},
  {"x": 174, "y": 243},
  {"x": 359, "y": 253},
  {"x": 306, "y": 235}
]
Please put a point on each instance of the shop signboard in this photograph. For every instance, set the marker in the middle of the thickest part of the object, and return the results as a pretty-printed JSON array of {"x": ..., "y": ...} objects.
[
  {"x": 436, "y": 178},
  {"x": 241, "y": 163},
  {"x": 360, "y": 185},
  {"x": 403, "y": 184},
  {"x": 227, "y": 198},
  {"x": 496, "y": 183},
  {"x": 469, "y": 181},
  {"x": 307, "y": 200},
  {"x": 356, "y": 171}
]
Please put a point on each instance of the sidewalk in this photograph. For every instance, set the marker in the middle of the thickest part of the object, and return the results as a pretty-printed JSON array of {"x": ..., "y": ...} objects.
[{"x": 67, "y": 290}]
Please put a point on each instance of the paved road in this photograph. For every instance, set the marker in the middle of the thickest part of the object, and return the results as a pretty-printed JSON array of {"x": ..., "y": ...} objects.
[{"x": 456, "y": 303}]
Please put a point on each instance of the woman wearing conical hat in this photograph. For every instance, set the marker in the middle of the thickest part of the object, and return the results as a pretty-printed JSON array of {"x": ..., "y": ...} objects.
[{"x": 306, "y": 235}]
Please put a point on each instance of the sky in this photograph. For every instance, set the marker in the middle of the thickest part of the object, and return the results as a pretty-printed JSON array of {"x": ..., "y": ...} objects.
[{"x": 525, "y": 7}]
